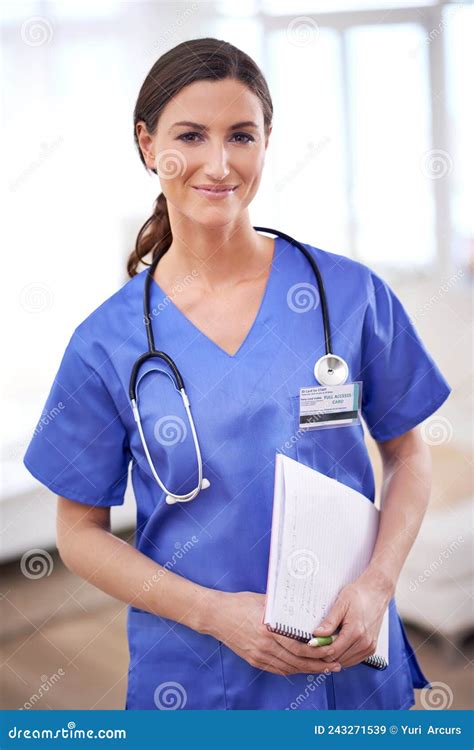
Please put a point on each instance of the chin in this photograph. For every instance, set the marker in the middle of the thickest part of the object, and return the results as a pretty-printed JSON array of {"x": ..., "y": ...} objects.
[{"x": 218, "y": 218}]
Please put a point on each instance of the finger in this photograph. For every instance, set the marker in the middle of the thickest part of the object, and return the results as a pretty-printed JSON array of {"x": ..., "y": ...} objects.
[
  {"x": 333, "y": 620},
  {"x": 346, "y": 638},
  {"x": 362, "y": 643},
  {"x": 358, "y": 647},
  {"x": 279, "y": 665},
  {"x": 363, "y": 648},
  {"x": 297, "y": 648},
  {"x": 356, "y": 655},
  {"x": 314, "y": 666},
  {"x": 344, "y": 649},
  {"x": 300, "y": 663},
  {"x": 354, "y": 662},
  {"x": 305, "y": 665},
  {"x": 273, "y": 662}
]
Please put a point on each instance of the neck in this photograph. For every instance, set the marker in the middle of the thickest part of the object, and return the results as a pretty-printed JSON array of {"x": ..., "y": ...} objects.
[{"x": 217, "y": 257}]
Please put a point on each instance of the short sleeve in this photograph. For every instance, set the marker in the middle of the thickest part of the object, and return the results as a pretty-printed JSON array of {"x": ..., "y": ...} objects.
[
  {"x": 401, "y": 383},
  {"x": 79, "y": 448}
]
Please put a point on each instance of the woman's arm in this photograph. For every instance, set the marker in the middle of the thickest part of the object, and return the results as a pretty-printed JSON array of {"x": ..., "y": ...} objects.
[
  {"x": 360, "y": 607},
  {"x": 88, "y": 548},
  {"x": 406, "y": 487}
]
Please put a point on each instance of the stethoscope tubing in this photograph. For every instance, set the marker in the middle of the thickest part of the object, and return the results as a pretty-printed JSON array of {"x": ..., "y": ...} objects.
[{"x": 153, "y": 353}]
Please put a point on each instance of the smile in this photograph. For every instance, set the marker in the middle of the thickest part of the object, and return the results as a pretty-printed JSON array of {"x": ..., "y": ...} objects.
[{"x": 215, "y": 192}]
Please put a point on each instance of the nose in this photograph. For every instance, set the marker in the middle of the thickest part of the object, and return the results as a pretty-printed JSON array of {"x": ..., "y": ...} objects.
[{"x": 216, "y": 166}]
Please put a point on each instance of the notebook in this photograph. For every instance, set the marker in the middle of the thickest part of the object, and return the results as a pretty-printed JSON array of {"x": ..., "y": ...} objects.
[{"x": 322, "y": 538}]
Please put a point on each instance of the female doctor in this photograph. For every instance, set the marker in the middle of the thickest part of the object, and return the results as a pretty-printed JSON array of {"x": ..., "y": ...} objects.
[{"x": 239, "y": 314}]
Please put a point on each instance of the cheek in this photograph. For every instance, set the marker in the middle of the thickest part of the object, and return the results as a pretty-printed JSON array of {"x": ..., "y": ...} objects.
[
  {"x": 250, "y": 164},
  {"x": 252, "y": 181},
  {"x": 254, "y": 166}
]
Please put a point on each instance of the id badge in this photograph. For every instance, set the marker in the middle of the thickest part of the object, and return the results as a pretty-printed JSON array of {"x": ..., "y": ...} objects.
[{"x": 330, "y": 406}]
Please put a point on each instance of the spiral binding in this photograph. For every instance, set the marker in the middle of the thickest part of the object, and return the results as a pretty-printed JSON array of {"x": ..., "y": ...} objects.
[
  {"x": 296, "y": 633},
  {"x": 376, "y": 661}
]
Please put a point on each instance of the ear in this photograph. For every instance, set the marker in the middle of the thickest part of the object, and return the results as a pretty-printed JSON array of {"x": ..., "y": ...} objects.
[
  {"x": 267, "y": 138},
  {"x": 145, "y": 141}
]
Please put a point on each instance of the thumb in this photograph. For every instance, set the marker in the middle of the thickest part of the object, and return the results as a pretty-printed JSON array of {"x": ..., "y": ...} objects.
[{"x": 332, "y": 621}]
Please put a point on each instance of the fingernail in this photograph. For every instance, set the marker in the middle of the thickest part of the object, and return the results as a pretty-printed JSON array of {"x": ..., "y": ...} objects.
[{"x": 337, "y": 668}]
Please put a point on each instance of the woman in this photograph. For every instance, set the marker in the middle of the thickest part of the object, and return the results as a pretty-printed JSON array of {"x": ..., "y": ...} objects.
[{"x": 226, "y": 306}]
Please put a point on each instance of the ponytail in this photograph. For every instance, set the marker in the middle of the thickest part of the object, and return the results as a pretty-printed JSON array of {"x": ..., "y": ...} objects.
[{"x": 154, "y": 237}]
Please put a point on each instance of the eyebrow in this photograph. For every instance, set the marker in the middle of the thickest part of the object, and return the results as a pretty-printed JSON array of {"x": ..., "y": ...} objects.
[{"x": 198, "y": 126}]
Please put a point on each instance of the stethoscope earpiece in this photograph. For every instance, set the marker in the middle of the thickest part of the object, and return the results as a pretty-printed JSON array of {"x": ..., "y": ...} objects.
[{"x": 172, "y": 499}]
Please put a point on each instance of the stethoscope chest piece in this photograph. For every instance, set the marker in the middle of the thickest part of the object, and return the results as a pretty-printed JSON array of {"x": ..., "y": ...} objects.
[{"x": 331, "y": 370}]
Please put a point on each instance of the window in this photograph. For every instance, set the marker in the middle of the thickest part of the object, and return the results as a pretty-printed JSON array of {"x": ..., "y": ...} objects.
[
  {"x": 389, "y": 124},
  {"x": 369, "y": 158},
  {"x": 459, "y": 24}
]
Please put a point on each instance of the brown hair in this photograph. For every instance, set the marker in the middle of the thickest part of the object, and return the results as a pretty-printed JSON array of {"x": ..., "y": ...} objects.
[{"x": 194, "y": 60}]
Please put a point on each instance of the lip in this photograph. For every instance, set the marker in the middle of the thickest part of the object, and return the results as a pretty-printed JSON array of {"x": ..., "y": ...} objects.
[{"x": 215, "y": 193}]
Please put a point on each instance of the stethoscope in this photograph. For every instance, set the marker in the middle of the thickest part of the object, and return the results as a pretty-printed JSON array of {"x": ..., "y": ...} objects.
[{"x": 328, "y": 370}]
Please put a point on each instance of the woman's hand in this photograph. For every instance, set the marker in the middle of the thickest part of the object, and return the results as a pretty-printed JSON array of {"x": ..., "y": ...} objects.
[
  {"x": 237, "y": 622},
  {"x": 358, "y": 612}
]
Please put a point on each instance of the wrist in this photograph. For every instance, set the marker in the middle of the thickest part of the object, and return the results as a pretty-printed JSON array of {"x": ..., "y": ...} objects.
[
  {"x": 205, "y": 611},
  {"x": 380, "y": 581}
]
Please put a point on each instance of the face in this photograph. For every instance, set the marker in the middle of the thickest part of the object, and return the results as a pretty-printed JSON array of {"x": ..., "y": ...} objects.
[{"x": 210, "y": 153}]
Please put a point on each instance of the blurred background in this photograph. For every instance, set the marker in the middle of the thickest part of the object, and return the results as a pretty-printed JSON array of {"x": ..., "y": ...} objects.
[{"x": 371, "y": 156}]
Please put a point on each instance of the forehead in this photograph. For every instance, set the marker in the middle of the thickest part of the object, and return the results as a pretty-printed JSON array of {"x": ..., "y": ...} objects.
[{"x": 213, "y": 103}]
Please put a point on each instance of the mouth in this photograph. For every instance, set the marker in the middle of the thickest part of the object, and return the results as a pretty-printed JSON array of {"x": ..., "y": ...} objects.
[{"x": 215, "y": 192}]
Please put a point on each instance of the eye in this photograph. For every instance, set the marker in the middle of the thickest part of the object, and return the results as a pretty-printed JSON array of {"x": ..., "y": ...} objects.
[
  {"x": 245, "y": 135},
  {"x": 185, "y": 137}
]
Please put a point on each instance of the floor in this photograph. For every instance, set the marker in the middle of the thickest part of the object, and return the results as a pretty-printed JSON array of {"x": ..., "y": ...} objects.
[{"x": 64, "y": 646}]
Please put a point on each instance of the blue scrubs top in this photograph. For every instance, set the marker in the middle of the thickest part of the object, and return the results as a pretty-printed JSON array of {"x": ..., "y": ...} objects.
[{"x": 245, "y": 408}]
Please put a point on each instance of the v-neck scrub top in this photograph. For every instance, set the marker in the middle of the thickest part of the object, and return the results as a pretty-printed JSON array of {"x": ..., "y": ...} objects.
[{"x": 246, "y": 409}]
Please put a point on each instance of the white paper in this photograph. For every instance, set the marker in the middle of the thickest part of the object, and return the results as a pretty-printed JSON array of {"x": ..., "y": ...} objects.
[{"x": 323, "y": 535}]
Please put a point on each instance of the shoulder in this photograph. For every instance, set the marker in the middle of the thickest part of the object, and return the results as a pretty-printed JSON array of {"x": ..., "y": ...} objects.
[
  {"x": 111, "y": 323},
  {"x": 347, "y": 273}
]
